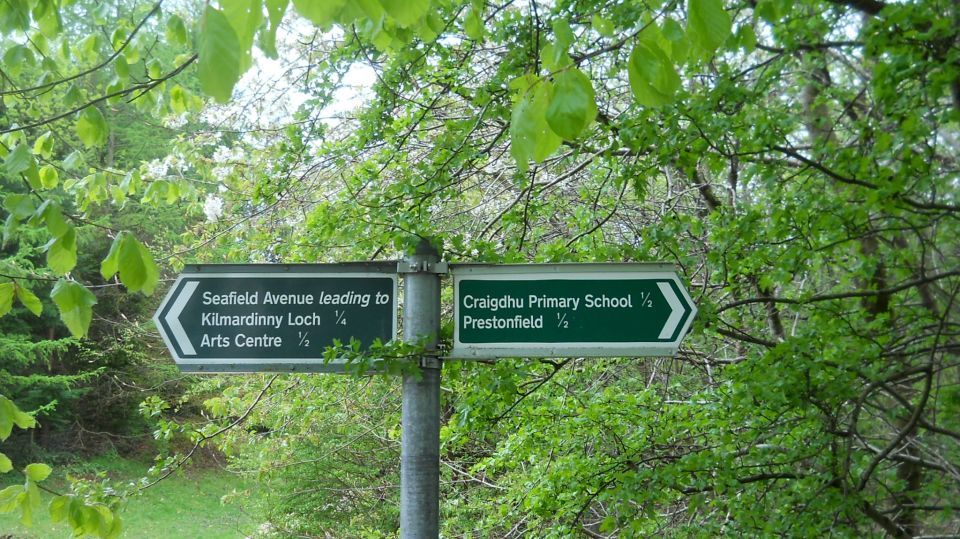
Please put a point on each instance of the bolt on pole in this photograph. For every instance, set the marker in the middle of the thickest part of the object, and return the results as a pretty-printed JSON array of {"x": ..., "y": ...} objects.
[{"x": 420, "y": 416}]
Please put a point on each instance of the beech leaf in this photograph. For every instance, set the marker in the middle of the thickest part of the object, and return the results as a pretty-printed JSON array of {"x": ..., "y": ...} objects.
[{"x": 76, "y": 306}]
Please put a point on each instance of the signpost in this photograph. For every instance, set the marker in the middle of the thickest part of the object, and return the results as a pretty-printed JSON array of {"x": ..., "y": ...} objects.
[
  {"x": 254, "y": 318},
  {"x": 246, "y": 318},
  {"x": 550, "y": 310}
]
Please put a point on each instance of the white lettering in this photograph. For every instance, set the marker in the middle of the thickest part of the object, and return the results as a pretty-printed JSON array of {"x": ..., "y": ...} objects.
[
  {"x": 287, "y": 299},
  {"x": 607, "y": 302},
  {"x": 261, "y": 341},
  {"x": 231, "y": 298},
  {"x": 312, "y": 319}
]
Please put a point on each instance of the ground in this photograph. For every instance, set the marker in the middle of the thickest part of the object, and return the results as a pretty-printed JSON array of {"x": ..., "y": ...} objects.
[{"x": 189, "y": 504}]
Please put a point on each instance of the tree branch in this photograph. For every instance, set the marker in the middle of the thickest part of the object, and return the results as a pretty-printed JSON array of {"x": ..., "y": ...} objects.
[
  {"x": 143, "y": 87},
  {"x": 156, "y": 9},
  {"x": 205, "y": 437},
  {"x": 841, "y": 295},
  {"x": 870, "y": 7}
]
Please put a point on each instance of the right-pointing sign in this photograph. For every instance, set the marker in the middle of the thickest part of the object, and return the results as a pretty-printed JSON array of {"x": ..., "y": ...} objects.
[{"x": 559, "y": 310}]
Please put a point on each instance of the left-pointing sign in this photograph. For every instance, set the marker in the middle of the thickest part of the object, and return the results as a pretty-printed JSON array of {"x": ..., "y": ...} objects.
[{"x": 241, "y": 318}]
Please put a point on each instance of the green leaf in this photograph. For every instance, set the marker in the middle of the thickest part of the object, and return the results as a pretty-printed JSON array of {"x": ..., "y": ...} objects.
[
  {"x": 40, "y": 43},
  {"x": 603, "y": 26},
  {"x": 109, "y": 524},
  {"x": 573, "y": 104},
  {"x": 268, "y": 35},
  {"x": 49, "y": 177},
  {"x": 76, "y": 306},
  {"x": 6, "y": 417},
  {"x": 23, "y": 419},
  {"x": 219, "y": 63},
  {"x": 10, "y": 228},
  {"x": 178, "y": 99},
  {"x": 110, "y": 264},
  {"x": 91, "y": 127},
  {"x": 769, "y": 11},
  {"x": 101, "y": 13},
  {"x": 405, "y": 12},
  {"x": 5, "y": 464},
  {"x": 708, "y": 25},
  {"x": 49, "y": 211},
  {"x": 320, "y": 13},
  {"x": 62, "y": 252},
  {"x": 30, "y": 504},
  {"x": 117, "y": 38},
  {"x": 138, "y": 271},
  {"x": 59, "y": 508},
  {"x": 357, "y": 9},
  {"x": 122, "y": 68},
  {"x": 19, "y": 160},
  {"x": 473, "y": 25},
  {"x": 675, "y": 37},
  {"x": 113, "y": 88},
  {"x": 6, "y": 298},
  {"x": 10, "y": 415},
  {"x": 246, "y": 17},
  {"x": 133, "y": 52},
  {"x": 73, "y": 95},
  {"x": 176, "y": 31},
  {"x": 11, "y": 498},
  {"x": 554, "y": 58},
  {"x": 43, "y": 146},
  {"x": 653, "y": 79},
  {"x": 73, "y": 161},
  {"x": 530, "y": 135},
  {"x": 15, "y": 16},
  {"x": 32, "y": 174},
  {"x": 19, "y": 205},
  {"x": 16, "y": 57},
  {"x": 154, "y": 69},
  {"x": 554, "y": 55},
  {"x": 747, "y": 38},
  {"x": 113, "y": 528},
  {"x": 50, "y": 23},
  {"x": 431, "y": 27},
  {"x": 37, "y": 471},
  {"x": 29, "y": 300},
  {"x": 563, "y": 33}
]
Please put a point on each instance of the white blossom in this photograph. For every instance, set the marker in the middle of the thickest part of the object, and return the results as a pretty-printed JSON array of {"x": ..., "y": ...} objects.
[
  {"x": 156, "y": 169},
  {"x": 224, "y": 155},
  {"x": 174, "y": 162},
  {"x": 175, "y": 121},
  {"x": 221, "y": 155},
  {"x": 213, "y": 208},
  {"x": 221, "y": 173}
]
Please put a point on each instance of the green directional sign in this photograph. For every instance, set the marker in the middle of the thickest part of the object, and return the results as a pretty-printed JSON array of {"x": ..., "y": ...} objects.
[
  {"x": 237, "y": 318},
  {"x": 548, "y": 310}
]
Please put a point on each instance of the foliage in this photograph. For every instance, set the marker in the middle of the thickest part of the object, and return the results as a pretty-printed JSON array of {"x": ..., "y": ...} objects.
[
  {"x": 196, "y": 500},
  {"x": 795, "y": 160},
  {"x": 85, "y": 519}
]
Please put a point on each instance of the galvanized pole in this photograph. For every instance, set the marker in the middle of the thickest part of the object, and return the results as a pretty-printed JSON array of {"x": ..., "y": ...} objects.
[{"x": 420, "y": 438}]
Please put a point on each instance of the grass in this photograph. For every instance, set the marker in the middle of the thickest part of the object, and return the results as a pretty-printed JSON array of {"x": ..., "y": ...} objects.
[{"x": 187, "y": 504}]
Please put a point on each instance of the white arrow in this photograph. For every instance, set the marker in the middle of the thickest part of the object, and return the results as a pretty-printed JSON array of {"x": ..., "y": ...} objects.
[
  {"x": 173, "y": 318},
  {"x": 676, "y": 312}
]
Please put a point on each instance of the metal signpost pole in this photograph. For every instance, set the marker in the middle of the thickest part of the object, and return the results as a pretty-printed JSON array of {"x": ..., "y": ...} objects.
[
  {"x": 420, "y": 417},
  {"x": 259, "y": 318}
]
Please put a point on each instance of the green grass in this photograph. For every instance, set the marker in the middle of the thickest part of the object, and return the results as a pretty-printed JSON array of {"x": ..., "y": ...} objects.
[{"x": 187, "y": 504}]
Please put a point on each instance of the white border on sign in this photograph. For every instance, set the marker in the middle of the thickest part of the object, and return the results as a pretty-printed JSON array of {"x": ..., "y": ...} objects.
[
  {"x": 562, "y": 272},
  {"x": 278, "y": 275}
]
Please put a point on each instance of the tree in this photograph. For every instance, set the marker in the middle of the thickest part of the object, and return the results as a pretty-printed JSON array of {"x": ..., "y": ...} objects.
[{"x": 795, "y": 160}]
